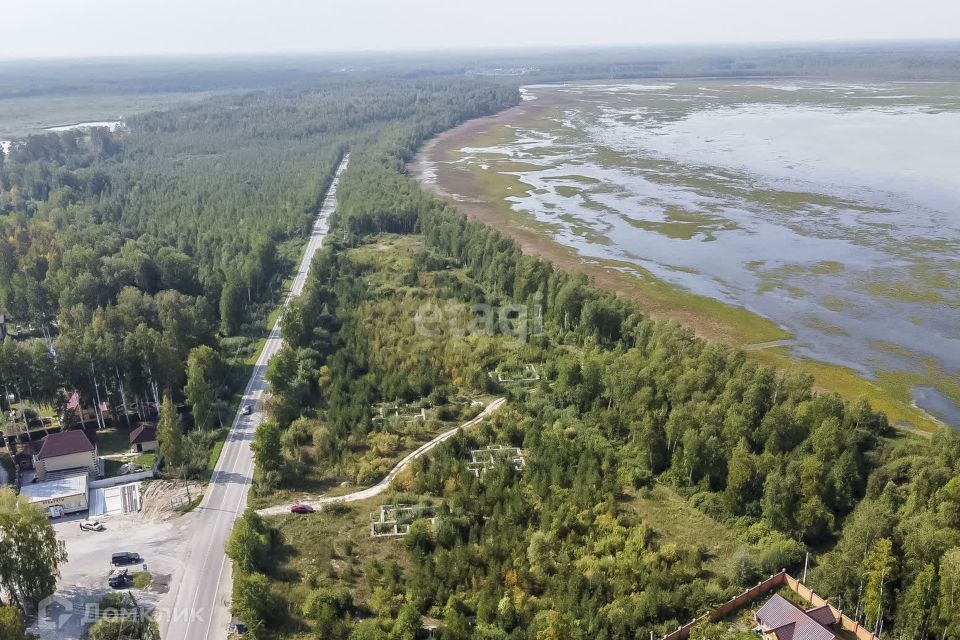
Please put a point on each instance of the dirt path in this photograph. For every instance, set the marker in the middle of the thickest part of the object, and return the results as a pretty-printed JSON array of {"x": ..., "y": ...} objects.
[{"x": 384, "y": 484}]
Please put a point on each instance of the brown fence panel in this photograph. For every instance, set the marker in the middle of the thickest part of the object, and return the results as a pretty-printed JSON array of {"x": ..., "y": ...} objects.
[
  {"x": 751, "y": 594},
  {"x": 846, "y": 623},
  {"x": 728, "y": 607}
]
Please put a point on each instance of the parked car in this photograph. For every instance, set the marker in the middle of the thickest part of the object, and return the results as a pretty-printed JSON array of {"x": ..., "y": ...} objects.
[
  {"x": 91, "y": 525},
  {"x": 119, "y": 578},
  {"x": 301, "y": 508},
  {"x": 126, "y": 557},
  {"x": 237, "y": 626}
]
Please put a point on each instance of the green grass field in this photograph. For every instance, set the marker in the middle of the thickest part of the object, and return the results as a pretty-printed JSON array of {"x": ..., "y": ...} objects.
[
  {"x": 141, "y": 580},
  {"x": 112, "y": 441},
  {"x": 674, "y": 520},
  {"x": 329, "y": 546}
]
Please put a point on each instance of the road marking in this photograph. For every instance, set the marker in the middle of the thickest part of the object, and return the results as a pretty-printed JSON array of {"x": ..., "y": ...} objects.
[{"x": 232, "y": 454}]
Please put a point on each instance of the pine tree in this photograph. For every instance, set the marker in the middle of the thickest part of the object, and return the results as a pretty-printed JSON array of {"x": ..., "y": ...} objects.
[{"x": 170, "y": 435}]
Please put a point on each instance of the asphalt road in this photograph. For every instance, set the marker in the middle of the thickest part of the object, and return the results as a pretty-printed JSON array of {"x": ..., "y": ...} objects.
[
  {"x": 201, "y": 607},
  {"x": 384, "y": 484}
]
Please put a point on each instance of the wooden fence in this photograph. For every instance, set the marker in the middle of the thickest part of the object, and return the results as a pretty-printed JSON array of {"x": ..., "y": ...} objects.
[
  {"x": 683, "y": 632},
  {"x": 778, "y": 579},
  {"x": 846, "y": 623}
]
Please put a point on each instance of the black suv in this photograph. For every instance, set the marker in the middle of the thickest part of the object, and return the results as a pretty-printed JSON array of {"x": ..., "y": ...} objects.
[{"x": 126, "y": 557}]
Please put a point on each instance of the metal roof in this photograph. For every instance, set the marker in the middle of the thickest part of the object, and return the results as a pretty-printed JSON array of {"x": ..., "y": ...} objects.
[
  {"x": 823, "y": 615},
  {"x": 65, "y": 443},
  {"x": 52, "y": 489},
  {"x": 143, "y": 433},
  {"x": 789, "y": 622}
]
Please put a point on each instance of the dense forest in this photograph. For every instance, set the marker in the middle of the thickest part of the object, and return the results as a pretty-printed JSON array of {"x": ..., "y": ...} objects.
[
  {"x": 122, "y": 253},
  {"x": 623, "y": 404}
]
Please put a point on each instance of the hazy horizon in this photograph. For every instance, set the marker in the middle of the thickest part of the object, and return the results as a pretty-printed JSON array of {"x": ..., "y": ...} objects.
[
  {"x": 496, "y": 50},
  {"x": 111, "y": 28}
]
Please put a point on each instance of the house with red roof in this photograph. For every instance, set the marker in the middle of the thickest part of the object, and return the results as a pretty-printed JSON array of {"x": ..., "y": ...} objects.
[
  {"x": 780, "y": 619},
  {"x": 143, "y": 439},
  {"x": 66, "y": 451}
]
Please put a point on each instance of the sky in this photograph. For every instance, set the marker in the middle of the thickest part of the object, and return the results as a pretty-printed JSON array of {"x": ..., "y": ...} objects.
[{"x": 84, "y": 28}]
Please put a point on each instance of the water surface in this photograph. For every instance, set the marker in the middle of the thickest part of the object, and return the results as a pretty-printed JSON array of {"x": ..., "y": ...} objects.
[
  {"x": 831, "y": 209},
  {"x": 107, "y": 124}
]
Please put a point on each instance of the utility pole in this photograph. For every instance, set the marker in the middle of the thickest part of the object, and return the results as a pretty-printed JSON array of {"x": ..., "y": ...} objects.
[
  {"x": 186, "y": 481},
  {"x": 143, "y": 622},
  {"x": 806, "y": 563}
]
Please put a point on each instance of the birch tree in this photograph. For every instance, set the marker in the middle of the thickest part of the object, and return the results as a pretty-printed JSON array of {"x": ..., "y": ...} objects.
[{"x": 30, "y": 562}]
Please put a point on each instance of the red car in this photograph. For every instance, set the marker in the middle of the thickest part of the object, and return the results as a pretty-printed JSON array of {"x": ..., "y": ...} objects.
[{"x": 301, "y": 508}]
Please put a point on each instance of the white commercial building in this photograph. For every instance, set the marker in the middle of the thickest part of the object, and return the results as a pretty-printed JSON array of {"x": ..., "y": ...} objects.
[{"x": 59, "y": 497}]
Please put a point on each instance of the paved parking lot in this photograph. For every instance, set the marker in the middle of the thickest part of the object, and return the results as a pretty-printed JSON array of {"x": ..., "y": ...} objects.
[{"x": 83, "y": 582}]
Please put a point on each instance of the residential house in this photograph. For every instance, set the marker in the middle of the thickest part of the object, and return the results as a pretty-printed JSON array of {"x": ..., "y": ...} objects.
[
  {"x": 143, "y": 438},
  {"x": 66, "y": 451},
  {"x": 780, "y": 619}
]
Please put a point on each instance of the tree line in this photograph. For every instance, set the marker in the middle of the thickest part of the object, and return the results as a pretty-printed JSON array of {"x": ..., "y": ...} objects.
[{"x": 125, "y": 254}]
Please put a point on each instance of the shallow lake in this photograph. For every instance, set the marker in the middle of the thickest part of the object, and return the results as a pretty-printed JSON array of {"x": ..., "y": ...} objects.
[
  {"x": 108, "y": 124},
  {"x": 832, "y": 209}
]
